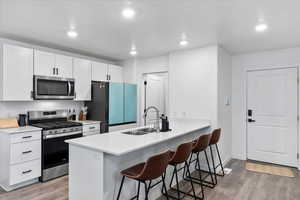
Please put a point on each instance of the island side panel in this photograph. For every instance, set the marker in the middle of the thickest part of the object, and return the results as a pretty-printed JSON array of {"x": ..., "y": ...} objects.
[
  {"x": 85, "y": 174},
  {"x": 114, "y": 164}
]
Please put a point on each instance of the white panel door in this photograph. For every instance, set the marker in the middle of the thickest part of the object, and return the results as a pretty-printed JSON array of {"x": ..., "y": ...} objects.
[
  {"x": 272, "y": 128},
  {"x": 115, "y": 73},
  {"x": 44, "y": 63},
  {"x": 64, "y": 65},
  {"x": 155, "y": 96},
  {"x": 99, "y": 71},
  {"x": 17, "y": 73},
  {"x": 82, "y": 73}
]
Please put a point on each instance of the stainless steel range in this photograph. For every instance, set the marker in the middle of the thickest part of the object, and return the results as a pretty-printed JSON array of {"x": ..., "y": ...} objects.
[{"x": 55, "y": 130}]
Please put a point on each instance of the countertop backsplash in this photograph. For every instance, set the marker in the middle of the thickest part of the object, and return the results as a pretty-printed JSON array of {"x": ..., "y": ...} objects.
[{"x": 14, "y": 108}]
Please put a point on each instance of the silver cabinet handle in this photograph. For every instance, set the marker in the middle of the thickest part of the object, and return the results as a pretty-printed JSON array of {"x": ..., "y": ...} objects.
[
  {"x": 92, "y": 127},
  {"x": 26, "y": 172},
  {"x": 56, "y": 71},
  {"x": 26, "y": 152},
  {"x": 53, "y": 70},
  {"x": 26, "y": 137}
]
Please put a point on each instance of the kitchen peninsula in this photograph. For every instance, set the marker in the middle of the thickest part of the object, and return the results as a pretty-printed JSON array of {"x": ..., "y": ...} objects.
[{"x": 96, "y": 161}]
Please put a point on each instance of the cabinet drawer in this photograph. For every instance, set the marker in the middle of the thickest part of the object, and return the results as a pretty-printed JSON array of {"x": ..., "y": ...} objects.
[
  {"x": 91, "y": 127},
  {"x": 25, "y": 136},
  {"x": 25, "y": 151},
  {"x": 24, "y": 172}
]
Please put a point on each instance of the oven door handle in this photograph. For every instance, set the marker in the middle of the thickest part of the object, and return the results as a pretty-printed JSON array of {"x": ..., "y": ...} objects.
[{"x": 45, "y": 137}]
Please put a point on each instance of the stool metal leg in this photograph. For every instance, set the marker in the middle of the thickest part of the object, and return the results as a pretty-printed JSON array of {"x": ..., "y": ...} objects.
[
  {"x": 213, "y": 162},
  {"x": 223, "y": 174},
  {"x": 209, "y": 169},
  {"x": 146, "y": 191},
  {"x": 138, "y": 193},
  {"x": 193, "y": 189},
  {"x": 200, "y": 177},
  {"x": 119, "y": 193},
  {"x": 177, "y": 183},
  {"x": 164, "y": 186},
  {"x": 173, "y": 174}
]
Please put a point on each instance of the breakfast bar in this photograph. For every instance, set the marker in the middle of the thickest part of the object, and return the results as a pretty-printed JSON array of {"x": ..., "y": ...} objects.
[{"x": 95, "y": 162}]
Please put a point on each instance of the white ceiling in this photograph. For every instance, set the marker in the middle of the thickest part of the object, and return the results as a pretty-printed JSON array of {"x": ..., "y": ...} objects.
[{"x": 157, "y": 27}]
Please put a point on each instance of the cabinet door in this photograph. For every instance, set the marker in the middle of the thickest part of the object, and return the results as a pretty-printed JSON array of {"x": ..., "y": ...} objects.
[
  {"x": 115, "y": 73},
  {"x": 82, "y": 73},
  {"x": 99, "y": 71},
  {"x": 130, "y": 102},
  {"x": 44, "y": 63},
  {"x": 64, "y": 65},
  {"x": 17, "y": 73},
  {"x": 116, "y": 103}
]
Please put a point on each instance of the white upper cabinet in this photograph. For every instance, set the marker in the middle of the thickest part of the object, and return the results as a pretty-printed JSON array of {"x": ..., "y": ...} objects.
[
  {"x": 115, "y": 73},
  {"x": 82, "y": 72},
  {"x": 17, "y": 73},
  {"x": 44, "y": 63},
  {"x": 50, "y": 64},
  {"x": 99, "y": 71},
  {"x": 64, "y": 66}
]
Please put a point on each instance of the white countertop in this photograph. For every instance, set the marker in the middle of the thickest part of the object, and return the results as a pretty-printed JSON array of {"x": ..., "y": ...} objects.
[
  {"x": 21, "y": 129},
  {"x": 117, "y": 143}
]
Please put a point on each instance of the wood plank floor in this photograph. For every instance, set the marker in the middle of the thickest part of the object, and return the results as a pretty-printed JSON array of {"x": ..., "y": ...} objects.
[{"x": 239, "y": 185}]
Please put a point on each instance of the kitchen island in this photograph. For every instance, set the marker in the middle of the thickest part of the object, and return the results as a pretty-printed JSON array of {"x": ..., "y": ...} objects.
[{"x": 95, "y": 162}]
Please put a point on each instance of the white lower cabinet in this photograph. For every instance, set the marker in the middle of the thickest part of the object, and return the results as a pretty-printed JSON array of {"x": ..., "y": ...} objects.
[
  {"x": 91, "y": 129},
  {"x": 25, "y": 151},
  {"x": 20, "y": 153},
  {"x": 25, "y": 171}
]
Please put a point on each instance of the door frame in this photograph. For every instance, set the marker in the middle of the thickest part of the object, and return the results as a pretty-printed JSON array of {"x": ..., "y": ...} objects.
[
  {"x": 142, "y": 92},
  {"x": 245, "y": 135}
]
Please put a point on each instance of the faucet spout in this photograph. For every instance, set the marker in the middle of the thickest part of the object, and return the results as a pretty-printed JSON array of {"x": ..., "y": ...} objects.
[{"x": 156, "y": 125}]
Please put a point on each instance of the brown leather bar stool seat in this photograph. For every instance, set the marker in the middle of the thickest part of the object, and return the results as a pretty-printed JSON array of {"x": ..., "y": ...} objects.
[
  {"x": 154, "y": 168},
  {"x": 200, "y": 145},
  {"x": 180, "y": 156},
  {"x": 216, "y": 134}
]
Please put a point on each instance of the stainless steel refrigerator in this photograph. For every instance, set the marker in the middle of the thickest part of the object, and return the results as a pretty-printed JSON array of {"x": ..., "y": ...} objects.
[
  {"x": 98, "y": 107},
  {"x": 113, "y": 103}
]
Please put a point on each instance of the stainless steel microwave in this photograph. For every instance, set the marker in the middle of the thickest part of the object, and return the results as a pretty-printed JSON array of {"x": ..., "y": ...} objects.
[{"x": 53, "y": 88}]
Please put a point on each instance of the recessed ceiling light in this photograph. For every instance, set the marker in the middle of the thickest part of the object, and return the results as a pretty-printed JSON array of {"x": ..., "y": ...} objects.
[
  {"x": 72, "y": 34},
  {"x": 133, "y": 52},
  {"x": 261, "y": 27},
  {"x": 128, "y": 13},
  {"x": 183, "y": 42}
]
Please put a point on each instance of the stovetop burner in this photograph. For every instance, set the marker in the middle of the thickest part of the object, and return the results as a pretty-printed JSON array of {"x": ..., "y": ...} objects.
[{"x": 57, "y": 125}]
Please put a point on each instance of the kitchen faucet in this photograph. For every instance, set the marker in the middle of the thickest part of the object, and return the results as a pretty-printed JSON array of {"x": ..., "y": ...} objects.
[{"x": 156, "y": 125}]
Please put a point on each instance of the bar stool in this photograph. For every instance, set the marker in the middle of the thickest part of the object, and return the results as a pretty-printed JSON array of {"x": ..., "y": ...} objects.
[
  {"x": 200, "y": 145},
  {"x": 154, "y": 167},
  {"x": 214, "y": 141},
  {"x": 181, "y": 156}
]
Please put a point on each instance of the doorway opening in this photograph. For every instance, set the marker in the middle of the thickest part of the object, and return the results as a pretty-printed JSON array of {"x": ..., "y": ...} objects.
[{"x": 155, "y": 93}]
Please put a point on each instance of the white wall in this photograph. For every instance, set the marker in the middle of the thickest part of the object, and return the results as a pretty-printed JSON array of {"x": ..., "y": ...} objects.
[
  {"x": 199, "y": 84},
  {"x": 193, "y": 84},
  {"x": 134, "y": 70},
  {"x": 275, "y": 58},
  {"x": 14, "y": 108},
  {"x": 224, "y": 102}
]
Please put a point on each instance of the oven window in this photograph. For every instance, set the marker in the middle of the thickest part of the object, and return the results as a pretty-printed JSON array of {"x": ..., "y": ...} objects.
[
  {"x": 56, "y": 151},
  {"x": 52, "y": 87}
]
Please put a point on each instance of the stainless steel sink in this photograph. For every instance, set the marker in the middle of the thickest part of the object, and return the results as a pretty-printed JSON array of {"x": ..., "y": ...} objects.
[{"x": 141, "y": 131}]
